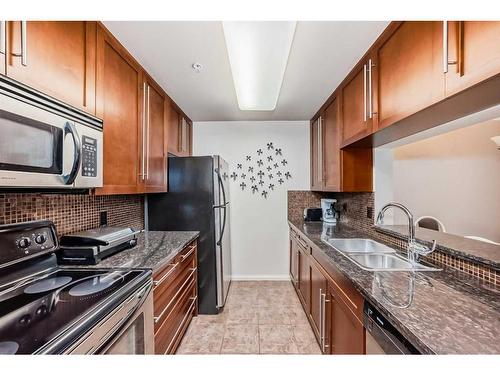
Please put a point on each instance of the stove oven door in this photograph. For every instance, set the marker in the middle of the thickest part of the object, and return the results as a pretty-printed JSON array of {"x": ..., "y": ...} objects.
[{"x": 123, "y": 332}]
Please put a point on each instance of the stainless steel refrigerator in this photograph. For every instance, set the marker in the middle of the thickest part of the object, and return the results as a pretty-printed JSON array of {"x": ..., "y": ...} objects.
[{"x": 198, "y": 199}]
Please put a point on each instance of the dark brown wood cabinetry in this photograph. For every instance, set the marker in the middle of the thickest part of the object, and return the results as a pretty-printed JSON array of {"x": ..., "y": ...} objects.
[
  {"x": 57, "y": 58},
  {"x": 294, "y": 259},
  {"x": 342, "y": 170},
  {"x": 410, "y": 75},
  {"x": 180, "y": 132},
  {"x": 331, "y": 302},
  {"x": 119, "y": 104},
  {"x": 155, "y": 140},
  {"x": 358, "y": 104},
  {"x": 175, "y": 299},
  {"x": 474, "y": 53}
]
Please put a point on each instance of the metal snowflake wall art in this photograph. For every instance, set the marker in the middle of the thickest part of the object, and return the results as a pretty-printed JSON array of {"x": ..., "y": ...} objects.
[{"x": 265, "y": 171}]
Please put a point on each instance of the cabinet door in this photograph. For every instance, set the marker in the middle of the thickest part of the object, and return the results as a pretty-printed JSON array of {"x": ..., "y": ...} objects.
[
  {"x": 331, "y": 149},
  {"x": 410, "y": 71},
  {"x": 3, "y": 45},
  {"x": 119, "y": 103},
  {"x": 316, "y": 157},
  {"x": 173, "y": 122},
  {"x": 345, "y": 333},
  {"x": 185, "y": 137},
  {"x": 156, "y": 161},
  {"x": 474, "y": 49},
  {"x": 318, "y": 290},
  {"x": 304, "y": 280},
  {"x": 356, "y": 122},
  {"x": 59, "y": 59},
  {"x": 294, "y": 260}
]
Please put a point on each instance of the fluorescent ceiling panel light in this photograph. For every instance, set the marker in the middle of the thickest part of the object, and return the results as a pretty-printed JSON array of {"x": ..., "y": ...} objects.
[{"x": 258, "y": 53}]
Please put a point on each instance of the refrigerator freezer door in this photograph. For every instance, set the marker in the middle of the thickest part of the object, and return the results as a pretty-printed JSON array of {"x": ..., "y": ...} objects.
[{"x": 222, "y": 232}]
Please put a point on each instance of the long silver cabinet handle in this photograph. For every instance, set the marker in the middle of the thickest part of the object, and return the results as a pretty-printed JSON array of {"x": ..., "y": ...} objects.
[
  {"x": 165, "y": 309},
  {"x": 164, "y": 277},
  {"x": 370, "y": 91},
  {"x": 193, "y": 248},
  {"x": 3, "y": 37},
  {"x": 147, "y": 132},
  {"x": 364, "y": 94},
  {"x": 325, "y": 301},
  {"x": 190, "y": 309},
  {"x": 24, "y": 50},
  {"x": 321, "y": 318},
  {"x": 143, "y": 161}
]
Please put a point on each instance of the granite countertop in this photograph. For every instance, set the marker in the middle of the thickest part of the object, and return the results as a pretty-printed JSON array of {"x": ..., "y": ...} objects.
[
  {"x": 465, "y": 248},
  {"x": 439, "y": 312},
  {"x": 154, "y": 250}
]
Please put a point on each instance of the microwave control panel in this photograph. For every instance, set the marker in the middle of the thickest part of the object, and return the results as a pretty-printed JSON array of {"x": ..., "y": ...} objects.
[{"x": 89, "y": 164}]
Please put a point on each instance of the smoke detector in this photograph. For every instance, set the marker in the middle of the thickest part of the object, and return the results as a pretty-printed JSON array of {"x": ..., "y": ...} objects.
[{"x": 197, "y": 67}]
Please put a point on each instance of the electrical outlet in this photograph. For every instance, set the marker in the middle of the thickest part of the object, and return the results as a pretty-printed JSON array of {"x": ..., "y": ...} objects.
[
  {"x": 369, "y": 212},
  {"x": 103, "y": 218}
]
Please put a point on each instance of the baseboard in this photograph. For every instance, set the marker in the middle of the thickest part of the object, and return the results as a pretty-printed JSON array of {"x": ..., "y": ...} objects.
[{"x": 260, "y": 277}]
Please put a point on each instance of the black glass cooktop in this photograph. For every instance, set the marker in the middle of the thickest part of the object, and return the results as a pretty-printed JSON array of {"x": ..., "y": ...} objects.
[{"x": 35, "y": 312}]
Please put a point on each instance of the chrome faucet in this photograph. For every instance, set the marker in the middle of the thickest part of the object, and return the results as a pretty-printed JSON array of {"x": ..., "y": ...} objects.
[{"x": 414, "y": 249}]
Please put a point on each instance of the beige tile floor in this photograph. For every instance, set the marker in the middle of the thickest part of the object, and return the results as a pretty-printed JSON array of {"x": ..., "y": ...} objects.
[{"x": 260, "y": 317}]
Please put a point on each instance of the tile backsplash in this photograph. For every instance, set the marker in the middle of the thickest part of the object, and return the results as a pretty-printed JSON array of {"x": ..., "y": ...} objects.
[
  {"x": 72, "y": 212},
  {"x": 355, "y": 215}
]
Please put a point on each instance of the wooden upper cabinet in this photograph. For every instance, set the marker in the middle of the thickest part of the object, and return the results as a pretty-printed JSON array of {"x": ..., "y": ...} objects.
[
  {"x": 155, "y": 138},
  {"x": 119, "y": 104},
  {"x": 316, "y": 155},
  {"x": 473, "y": 53},
  {"x": 185, "y": 137},
  {"x": 409, "y": 70},
  {"x": 173, "y": 124},
  {"x": 331, "y": 147},
  {"x": 59, "y": 59},
  {"x": 3, "y": 47}
]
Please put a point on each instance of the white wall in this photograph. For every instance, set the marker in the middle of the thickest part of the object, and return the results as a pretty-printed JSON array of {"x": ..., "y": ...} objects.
[
  {"x": 259, "y": 229},
  {"x": 454, "y": 177}
]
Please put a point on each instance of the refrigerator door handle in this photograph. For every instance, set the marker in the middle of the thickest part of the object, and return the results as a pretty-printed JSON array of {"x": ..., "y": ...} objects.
[
  {"x": 222, "y": 206},
  {"x": 223, "y": 224}
]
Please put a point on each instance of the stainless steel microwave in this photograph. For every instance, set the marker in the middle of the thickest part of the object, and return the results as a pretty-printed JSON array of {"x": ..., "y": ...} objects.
[{"x": 45, "y": 143}]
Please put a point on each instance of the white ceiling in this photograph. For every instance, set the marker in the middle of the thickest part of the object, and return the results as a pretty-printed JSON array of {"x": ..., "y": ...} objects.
[{"x": 321, "y": 56}]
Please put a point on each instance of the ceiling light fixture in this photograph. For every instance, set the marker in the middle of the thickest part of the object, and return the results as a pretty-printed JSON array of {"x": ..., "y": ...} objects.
[{"x": 258, "y": 54}]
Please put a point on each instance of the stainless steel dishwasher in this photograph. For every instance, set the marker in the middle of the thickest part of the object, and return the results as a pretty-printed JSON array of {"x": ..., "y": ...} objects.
[{"x": 381, "y": 336}]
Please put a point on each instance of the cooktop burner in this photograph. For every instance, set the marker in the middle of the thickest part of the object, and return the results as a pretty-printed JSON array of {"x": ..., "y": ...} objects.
[
  {"x": 48, "y": 284},
  {"x": 8, "y": 347},
  {"x": 95, "y": 284},
  {"x": 37, "y": 313}
]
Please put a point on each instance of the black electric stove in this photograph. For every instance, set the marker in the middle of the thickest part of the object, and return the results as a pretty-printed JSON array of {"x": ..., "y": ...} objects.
[{"x": 45, "y": 308}]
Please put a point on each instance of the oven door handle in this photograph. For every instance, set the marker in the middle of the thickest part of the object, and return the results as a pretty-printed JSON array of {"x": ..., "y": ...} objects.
[{"x": 69, "y": 128}]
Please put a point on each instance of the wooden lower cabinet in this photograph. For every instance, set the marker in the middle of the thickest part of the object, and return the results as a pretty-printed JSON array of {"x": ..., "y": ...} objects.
[
  {"x": 344, "y": 333},
  {"x": 294, "y": 260},
  {"x": 331, "y": 302},
  {"x": 175, "y": 299}
]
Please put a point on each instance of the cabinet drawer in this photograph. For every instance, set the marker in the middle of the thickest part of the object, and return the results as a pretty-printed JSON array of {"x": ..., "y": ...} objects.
[
  {"x": 165, "y": 299},
  {"x": 186, "y": 257},
  {"x": 170, "y": 332}
]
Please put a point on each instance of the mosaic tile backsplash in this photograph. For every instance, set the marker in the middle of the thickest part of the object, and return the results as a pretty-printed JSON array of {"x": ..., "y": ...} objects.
[
  {"x": 353, "y": 212},
  {"x": 71, "y": 212}
]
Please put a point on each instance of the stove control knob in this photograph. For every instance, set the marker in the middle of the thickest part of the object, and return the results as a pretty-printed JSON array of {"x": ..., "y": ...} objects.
[
  {"x": 24, "y": 242},
  {"x": 42, "y": 310},
  {"x": 40, "y": 239},
  {"x": 25, "y": 320}
]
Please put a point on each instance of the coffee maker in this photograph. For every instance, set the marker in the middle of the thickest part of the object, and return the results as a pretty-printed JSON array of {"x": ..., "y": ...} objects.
[{"x": 329, "y": 213}]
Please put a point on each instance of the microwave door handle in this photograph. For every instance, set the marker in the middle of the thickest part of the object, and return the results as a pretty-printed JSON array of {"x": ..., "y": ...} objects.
[{"x": 69, "y": 128}]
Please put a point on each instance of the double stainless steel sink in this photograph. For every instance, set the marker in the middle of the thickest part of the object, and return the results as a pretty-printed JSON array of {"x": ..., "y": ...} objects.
[{"x": 373, "y": 256}]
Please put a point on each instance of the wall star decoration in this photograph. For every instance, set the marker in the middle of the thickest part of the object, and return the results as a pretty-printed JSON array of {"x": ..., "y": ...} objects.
[
  {"x": 262, "y": 174},
  {"x": 224, "y": 176}
]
